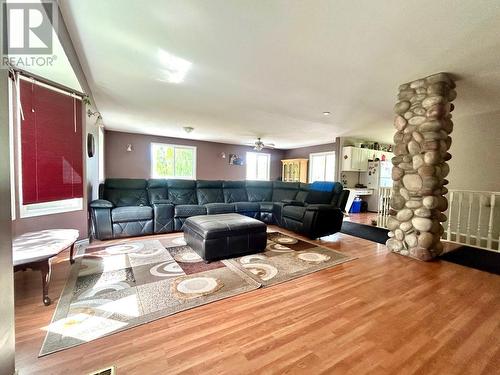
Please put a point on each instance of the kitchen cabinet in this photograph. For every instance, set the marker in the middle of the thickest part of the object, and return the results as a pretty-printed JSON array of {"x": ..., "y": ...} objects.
[{"x": 355, "y": 159}]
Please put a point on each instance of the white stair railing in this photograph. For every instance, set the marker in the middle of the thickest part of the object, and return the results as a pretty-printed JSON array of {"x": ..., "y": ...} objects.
[
  {"x": 473, "y": 217},
  {"x": 384, "y": 201}
]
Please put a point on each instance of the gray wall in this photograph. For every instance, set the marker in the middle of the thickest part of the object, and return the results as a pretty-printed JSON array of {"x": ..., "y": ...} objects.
[
  {"x": 475, "y": 150},
  {"x": 7, "y": 337},
  {"x": 209, "y": 164},
  {"x": 303, "y": 152}
]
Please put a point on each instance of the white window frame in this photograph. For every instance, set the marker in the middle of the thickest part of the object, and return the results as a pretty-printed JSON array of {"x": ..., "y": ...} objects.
[
  {"x": 325, "y": 153},
  {"x": 153, "y": 173},
  {"x": 44, "y": 208},
  {"x": 268, "y": 174},
  {"x": 100, "y": 153},
  {"x": 12, "y": 153}
]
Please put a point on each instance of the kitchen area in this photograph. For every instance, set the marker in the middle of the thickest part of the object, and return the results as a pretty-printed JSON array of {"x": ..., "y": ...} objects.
[{"x": 366, "y": 172}]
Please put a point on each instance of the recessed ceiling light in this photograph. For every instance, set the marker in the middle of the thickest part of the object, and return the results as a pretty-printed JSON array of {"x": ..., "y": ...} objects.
[
  {"x": 326, "y": 113},
  {"x": 188, "y": 129}
]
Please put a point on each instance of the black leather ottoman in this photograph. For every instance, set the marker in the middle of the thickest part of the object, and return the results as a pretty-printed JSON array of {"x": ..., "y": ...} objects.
[{"x": 222, "y": 236}]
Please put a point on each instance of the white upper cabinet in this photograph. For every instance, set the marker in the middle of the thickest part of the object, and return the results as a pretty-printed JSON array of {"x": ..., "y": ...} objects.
[{"x": 355, "y": 159}]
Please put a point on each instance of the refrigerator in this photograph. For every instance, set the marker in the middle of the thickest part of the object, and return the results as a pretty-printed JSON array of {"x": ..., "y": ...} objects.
[{"x": 377, "y": 176}]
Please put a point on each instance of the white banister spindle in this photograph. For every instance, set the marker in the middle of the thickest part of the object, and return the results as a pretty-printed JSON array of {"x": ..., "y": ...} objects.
[
  {"x": 480, "y": 210},
  {"x": 458, "y": 235},
  {"x": 450, "y": 205},
  {"x": 383, "y": 206},
  {"x": 490, "y": 222},
  {"x": 469, "y": 214}
]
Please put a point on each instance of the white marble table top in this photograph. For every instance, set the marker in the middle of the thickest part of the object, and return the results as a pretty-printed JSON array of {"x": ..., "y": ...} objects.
[{"x": 34, "y": 246}]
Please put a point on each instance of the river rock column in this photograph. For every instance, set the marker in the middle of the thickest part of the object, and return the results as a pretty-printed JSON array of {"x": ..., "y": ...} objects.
[{"x": 422, "y": 140}]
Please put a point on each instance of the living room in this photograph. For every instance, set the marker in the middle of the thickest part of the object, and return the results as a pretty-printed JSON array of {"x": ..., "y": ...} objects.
[{"x": 250, "y": 187}]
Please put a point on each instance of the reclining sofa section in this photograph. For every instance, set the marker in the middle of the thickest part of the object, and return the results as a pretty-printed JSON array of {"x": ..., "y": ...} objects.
[{"x": 135, "y": 207}]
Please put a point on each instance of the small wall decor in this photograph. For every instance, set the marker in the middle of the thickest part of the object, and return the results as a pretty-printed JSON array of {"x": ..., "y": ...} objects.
[
  {"x": 129, "y": 148},
  {"x": 90, "y": 145},
  {"x": 235, "y": 159}
]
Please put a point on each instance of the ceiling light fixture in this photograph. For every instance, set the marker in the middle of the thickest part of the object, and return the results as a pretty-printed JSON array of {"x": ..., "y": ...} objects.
[
  {"x": 326, "y": 113},
  {"x": 188, "y": 129}
]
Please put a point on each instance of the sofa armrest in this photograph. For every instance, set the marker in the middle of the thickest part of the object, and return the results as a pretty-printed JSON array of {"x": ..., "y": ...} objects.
[
  {"x": 163, "y": 214},
  {"x": 321, "y": 220},
  {"x": 100, "y": 216},
  {"x": 321, "y": 207},
  {"x": 101, "y": 203}
]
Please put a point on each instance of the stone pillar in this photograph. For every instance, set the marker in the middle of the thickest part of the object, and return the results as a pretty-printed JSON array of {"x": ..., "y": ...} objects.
[{"x": 423, "y": 124}]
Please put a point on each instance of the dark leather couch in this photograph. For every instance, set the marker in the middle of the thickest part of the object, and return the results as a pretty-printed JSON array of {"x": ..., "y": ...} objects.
[{"x": 134, "y": 207}]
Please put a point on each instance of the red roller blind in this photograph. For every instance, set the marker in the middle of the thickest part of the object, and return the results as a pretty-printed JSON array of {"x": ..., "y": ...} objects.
[{"x": 51, "y": 144}]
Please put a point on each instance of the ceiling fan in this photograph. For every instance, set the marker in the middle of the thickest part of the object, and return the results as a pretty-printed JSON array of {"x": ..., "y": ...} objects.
[{"x": 259, "y": 145}]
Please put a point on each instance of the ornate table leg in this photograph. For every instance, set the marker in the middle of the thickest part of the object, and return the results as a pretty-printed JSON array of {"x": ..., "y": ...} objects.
[
  {"x": 45, "y": 269},
  {"x": 71, "y": 251}
]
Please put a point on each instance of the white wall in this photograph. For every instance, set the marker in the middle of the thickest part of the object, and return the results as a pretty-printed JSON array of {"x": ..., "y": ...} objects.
[{"x": 475, "y": 150}]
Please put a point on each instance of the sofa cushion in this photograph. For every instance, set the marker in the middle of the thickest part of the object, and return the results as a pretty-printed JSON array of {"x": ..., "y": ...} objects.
[
  {"x": 182, "y": 191},
  {"x": 209, "y": 192},
  {"x": 303, "y": 191},
  {"x": 125, "y": 192},
  {"x": 284, "y": 190},
  {"x": 126, "y": 197},
  {"x": 187, "y": 210},
  {"x": 259, "y": 191},
  {"x": 234, "y": 191},
  {"x": 337, "y": 194},
  {"x": 219, "y": 208},
  {"x": 318, "y": 197},
  {"x": 266, "y": 206},
  {"x": 134, "y": 213},
  {"x": 294, "y": 212},
  {"x": 247, "y": 206},
  {"x": 125, "y": 183},
  {"x": 157, "y": 190}
]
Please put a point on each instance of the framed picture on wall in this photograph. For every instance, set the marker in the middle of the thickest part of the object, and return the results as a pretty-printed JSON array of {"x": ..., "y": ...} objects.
[{"x": 235, "y": 159}]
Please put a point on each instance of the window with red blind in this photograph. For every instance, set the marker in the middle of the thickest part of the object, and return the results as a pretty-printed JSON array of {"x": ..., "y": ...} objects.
[{"x": 51, "y": 144}]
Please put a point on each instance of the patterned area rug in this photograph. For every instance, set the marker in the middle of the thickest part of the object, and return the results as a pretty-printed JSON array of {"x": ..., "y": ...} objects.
[
  {"x": 117, "y": 287},
  {"x": 286, "y": 258}
]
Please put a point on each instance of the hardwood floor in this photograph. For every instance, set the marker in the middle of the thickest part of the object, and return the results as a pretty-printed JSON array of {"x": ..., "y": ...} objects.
[
  {"x": 380, "y": 314},
  {"x": 362, "y": 218}
]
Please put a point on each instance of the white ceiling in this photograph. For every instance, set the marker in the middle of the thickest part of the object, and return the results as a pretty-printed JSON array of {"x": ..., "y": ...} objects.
[{"x": 270, "y": 68}]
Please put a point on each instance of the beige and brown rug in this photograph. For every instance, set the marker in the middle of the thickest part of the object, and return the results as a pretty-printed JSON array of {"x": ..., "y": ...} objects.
[{"x": 112, "y": 288}]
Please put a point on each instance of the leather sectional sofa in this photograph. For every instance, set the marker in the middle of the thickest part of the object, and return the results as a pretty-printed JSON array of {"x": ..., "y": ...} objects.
[{"x": 134, "y": 207}]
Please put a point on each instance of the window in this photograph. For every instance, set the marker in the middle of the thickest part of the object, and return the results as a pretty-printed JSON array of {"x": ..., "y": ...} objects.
[
  {"x": 258, "y": 166},
  {"x": 322, "y": 166},
  {"x": 173, "y": 161},
  {"x": 50, "y": 144}
]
